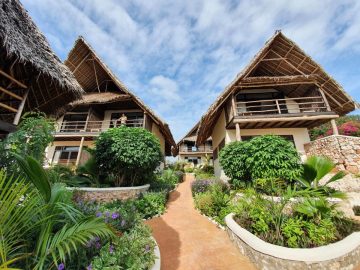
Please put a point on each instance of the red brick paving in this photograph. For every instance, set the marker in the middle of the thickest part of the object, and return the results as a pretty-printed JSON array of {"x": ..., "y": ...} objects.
[{"x": 189, "y": 241}]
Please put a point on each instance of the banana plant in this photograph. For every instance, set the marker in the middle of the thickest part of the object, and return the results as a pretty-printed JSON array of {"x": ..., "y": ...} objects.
[{"x": 64, "y": 229}]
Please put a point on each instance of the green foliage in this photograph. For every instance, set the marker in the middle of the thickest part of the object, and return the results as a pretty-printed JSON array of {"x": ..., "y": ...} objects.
[
  {"x": 130, "y": 154},
  {"x": 314, "y": 169},
  {"x": 189, "y": 169},
  {"x": 267, "y": 156},
  {"x": 62, "y": 229},
  {"x": 356, "y": 210},
  {"x": 151, "y": 204},
  {"x": 207, "y": 174},
  {"x": 33, "y": 135},
  {"x": 132, "y": 251},
  {"x": 270, "y": 186},
  {"x": 214, "y": 202}
]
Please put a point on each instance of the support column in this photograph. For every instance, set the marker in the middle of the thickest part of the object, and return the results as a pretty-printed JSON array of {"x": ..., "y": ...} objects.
[
  {"x": 334, "y": 127},
  {"x": 80, "y": 150},
  {"x": 21, "y": 108},
  {"x": 238, "y": 135}
]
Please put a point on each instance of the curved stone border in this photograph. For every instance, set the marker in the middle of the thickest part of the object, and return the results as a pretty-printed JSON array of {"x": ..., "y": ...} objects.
[
  {"x": 157, "y": 264},
  {"x": 344, "y": 254},
  {"x": 110, "y": 194}
]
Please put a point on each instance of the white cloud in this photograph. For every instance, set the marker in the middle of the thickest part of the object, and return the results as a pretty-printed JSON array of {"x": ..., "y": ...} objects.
[{"x": 178, "y": 55}]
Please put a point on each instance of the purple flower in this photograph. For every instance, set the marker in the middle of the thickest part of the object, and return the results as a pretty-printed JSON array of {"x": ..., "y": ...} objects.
[
  {"x": 61, "y": 266},
  {"x": 115, "y": 215},
  {"x": 89, "y": 267},
  {"x": 97, "y": 245},
  {"x": 98, "y": 214},
  {"x": 107, "y": 214},
  {"x": 147, "y": 248},
  {"x": 111, "y": 249}
]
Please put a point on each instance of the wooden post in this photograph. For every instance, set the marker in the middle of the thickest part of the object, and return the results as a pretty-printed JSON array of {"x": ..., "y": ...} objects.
[
  {"x": 235, "y": 111},
  {"x": 80, "y": 150},
  {"x": 238, "y": 135},
  {"x": 144, "y": 121},
  {"x": 277, "y": 105},
  {"x": 325, "y": 100},
  {"x": 21, "y": 108},
  {"x": 334, "y": 127}
]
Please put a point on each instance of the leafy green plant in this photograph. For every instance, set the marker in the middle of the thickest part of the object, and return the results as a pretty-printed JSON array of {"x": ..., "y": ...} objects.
[
  {"x": 314, "y": 169},
  {"x": 292, "y": 229},
  {"x": 33, "y": 135},
  {"x": 356, "y": 210},
  {"x": 151, "y": 204},
  {"x": 130, "y": 154},
  {"x": 63, "y": 229},
  {"x": 189, "y": 169},
  {"x": 267, "y": 156},
  {"x": 133, "y": 251}
]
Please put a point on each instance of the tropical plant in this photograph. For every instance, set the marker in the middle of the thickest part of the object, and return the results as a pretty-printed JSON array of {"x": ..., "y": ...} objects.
[
  {"x": 63, "y": 229},
  {"x": 267, "y": 156},
  {"x": 130, "y": 154},
  {"x": 134, "y": 250},
  {"x": 20, "y": 209},
  {"x": 33, "y": 135},
  {"x": 314, "y": 169}
]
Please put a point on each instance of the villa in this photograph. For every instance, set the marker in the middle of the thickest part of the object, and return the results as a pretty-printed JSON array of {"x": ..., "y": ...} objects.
[
  {"x": 106, "y": 103},
  {"x": 188, "y": 151},
  {"x": 31, "y": 76},
  {"x": 282, "y": 91}
]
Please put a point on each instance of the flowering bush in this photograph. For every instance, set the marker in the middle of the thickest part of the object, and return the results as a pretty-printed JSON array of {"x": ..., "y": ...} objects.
[
  {"x": 132, "y": 251},
  {"x": 200, "y": 186}
]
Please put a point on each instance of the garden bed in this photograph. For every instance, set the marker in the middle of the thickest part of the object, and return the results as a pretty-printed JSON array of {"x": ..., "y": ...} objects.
[
  {"x": 110, "y": 194},
  {"x": 343, "y": 254}
]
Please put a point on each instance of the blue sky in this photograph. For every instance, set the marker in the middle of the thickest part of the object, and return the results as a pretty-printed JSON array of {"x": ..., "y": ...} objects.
[{"x": 177, "y": 56}]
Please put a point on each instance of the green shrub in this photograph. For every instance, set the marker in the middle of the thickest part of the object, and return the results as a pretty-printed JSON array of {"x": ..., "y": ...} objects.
[
  {"x": 189, "y": 170},
  {"x": 134, "y": 250},
  {"x": 151, "y": 204},
  {"x": 165, "y": 180},
  {"x": 356, "y": 210},
  {"x": 267, "y": 156},
  {"x": 130, "y": 154},
  {"x": 204, "y": 202}
]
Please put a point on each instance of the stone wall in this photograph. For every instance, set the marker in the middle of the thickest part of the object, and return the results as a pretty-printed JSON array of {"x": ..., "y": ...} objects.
[
  {"x": 343, "y": 150},
  {"x": 110, "y": 194},
  {"x": 337, "y": 256}
]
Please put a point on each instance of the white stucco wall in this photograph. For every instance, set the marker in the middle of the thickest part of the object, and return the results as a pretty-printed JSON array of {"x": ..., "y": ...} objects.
[
  {"x": 218, "y": 134},
  {"x": 156, "y": 131}
]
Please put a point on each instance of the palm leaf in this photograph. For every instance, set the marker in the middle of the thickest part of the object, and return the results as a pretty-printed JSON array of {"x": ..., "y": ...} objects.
[
  {"x": 35, "y": 173},
  {"x": 336, "y": 177}
]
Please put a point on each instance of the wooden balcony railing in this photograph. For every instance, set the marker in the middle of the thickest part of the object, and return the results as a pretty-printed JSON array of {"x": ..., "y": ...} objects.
[
  {"x": 281, "y": 106},
  {"x": 96, "y": 126},
  {"x": 190, "y": 149}
]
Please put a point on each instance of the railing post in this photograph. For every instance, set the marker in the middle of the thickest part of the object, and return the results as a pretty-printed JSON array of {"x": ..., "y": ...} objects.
[
  {"x": 277, "y": 105},
  {"x": 237, "y": 132},
  {"x": 235, "y": 111},
  {"x": 80, "y": 150},
  {"x": 328, "y": 108}
]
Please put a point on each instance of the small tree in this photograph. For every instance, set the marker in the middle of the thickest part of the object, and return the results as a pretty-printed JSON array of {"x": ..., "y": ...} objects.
[
  {"x": 33, "y": 135},
  {"x": 266, "y": 156},
  {"x": 129, "y": 154}
]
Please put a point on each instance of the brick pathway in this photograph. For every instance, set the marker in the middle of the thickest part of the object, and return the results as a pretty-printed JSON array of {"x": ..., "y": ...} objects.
[{"x": 189, "y": 241}]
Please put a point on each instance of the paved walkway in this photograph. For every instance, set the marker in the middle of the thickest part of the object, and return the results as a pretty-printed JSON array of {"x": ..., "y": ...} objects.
[{"x": 189, "y": 241}]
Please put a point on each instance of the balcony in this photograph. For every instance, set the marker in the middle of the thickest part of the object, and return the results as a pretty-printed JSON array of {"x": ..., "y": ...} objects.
[
  {"x": 286, "y": 112},
  {"x": 94, "y": 127},
  {"x": 193, "y": 149}
]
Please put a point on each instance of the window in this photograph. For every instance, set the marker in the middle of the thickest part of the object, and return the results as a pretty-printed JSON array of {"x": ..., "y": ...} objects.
[{"x": 65, "y": 155}]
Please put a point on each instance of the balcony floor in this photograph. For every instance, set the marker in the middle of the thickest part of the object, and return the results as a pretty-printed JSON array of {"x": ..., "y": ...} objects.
[{"x": 288, "y": 120}]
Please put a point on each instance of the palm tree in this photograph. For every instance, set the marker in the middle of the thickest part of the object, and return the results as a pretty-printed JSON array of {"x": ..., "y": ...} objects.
[
  {"x": 63, "y": 229},
  {"x": 314, "y": 169}
]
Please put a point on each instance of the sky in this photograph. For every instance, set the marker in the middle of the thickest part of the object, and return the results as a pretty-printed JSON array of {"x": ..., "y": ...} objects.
[{"x": 178, "y": 56}]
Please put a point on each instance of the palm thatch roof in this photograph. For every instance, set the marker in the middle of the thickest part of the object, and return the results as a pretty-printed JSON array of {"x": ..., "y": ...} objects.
[
  {"x": 283, "y": 63},
  {"x": 28, "y": 64},
  {"x": 96, "y": 77}
]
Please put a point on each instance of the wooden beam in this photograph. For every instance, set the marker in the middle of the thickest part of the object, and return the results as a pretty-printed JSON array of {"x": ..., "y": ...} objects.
[
  {"x": 238, "y": 135},
  {"x": 96, "y": 78},
  {"x": 325, "y": 100},
  {"x": 12, "y": 79},
  {"x": 334, "y": 127},
  {"x": 21, "y": 108},
  {"x": 81, "y": 62},
  {"x": 285, "y": 119},
  {"x": 278, "y": 80},
  {"x": 8, "y": 107},
  {"x": 80, "y": 150},
  {"x": 10, "y": 93}
]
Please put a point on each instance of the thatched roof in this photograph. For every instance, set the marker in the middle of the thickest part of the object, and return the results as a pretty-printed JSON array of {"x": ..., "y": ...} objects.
[
  {"x": 100, "y": 98},
  {"x": 280, "y": 58},
  {"x": 27, "y": 56},
  {"x": 95, "y": 76}
]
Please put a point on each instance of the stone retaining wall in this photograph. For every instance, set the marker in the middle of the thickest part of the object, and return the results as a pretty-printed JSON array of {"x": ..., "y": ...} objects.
[
  {"x": 110, "y": 194},
  {"x": 342, "y": 255},
  {"x": 343, "y": 150}
]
